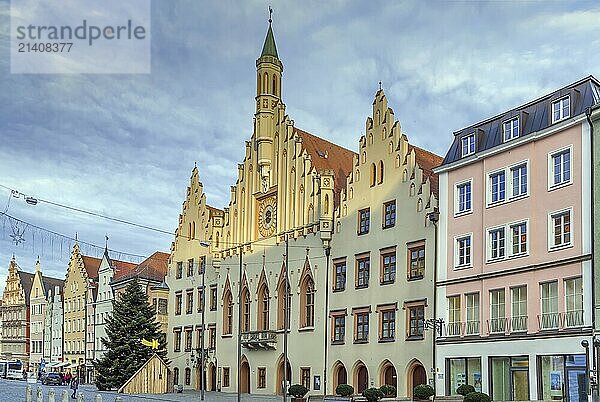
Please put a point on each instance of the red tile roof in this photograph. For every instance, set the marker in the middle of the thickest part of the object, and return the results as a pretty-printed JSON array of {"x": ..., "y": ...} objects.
[
  {"x": 427, "y": 161},
  {"x": 154, "y": 268},
  {"x": 326, "y": 155},
  {"x": 91, "y": 265}
]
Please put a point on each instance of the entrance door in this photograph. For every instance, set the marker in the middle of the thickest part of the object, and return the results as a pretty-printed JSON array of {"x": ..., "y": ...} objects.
[
  {"x": 213, "y": 378},
  {"x": 342, "y": 376},
  {"x": 390, "y": 376},
  {"x": 363, "y": 379},
  {"x": 576, "y": 385},
  {"x": 245, "y": 378},
  {"x": 520, "y": 385},
  {"x": 419, "y": 376}
]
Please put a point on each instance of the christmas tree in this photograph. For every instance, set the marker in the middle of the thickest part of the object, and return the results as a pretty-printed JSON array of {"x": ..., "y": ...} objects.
[{"x": 132, "y": 320}]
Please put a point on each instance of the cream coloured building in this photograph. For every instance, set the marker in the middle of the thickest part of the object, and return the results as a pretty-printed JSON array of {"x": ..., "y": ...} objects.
[{"x": 294, "y": 185}]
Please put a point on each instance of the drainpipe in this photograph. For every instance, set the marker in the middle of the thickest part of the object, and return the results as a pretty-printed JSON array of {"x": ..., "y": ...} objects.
[{"x": 326, "y": 320}]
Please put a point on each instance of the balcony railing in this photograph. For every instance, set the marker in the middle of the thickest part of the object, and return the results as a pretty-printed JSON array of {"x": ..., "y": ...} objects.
[
  {"x": 497, "y": 325},
  {"x": 266, "y": 340},
  {"x": 518, "y": 324},
  {"x": 454, "y": 328},
  {"x": 549, "y": 321},
  {"x": 472, "y": 328},
  {"x": 573, "y": 318}
]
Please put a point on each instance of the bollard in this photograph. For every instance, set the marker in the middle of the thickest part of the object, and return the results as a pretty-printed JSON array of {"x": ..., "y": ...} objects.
[
  {"x": 51, "y": 395},
  {"x": 65, "y": 396},
  {"x": 98, "y": 398},
  {"x": 28, "y": 394},
  {"x": 40, "y": 395}
]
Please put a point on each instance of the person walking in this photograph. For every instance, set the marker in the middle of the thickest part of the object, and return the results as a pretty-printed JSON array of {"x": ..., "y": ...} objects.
[{"x": 74, "y": 385}]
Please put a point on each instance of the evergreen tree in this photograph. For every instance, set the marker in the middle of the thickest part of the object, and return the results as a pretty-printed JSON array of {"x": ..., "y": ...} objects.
[{"x": 132, "y": 320}]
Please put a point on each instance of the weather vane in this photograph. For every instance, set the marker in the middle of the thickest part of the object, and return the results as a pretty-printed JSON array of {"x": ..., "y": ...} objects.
[{"x": 270, "y": 14}]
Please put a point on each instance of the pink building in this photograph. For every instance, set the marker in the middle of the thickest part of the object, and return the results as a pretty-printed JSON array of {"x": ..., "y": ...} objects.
[{"x": 514, "y": 278}]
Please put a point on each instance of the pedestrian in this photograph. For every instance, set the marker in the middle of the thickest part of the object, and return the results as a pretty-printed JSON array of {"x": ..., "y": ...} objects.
[
  {"x": 68, "y": 377},
  {"x": 74, "y": 385}
]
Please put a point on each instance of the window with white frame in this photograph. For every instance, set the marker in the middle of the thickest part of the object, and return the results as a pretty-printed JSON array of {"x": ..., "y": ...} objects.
[
  {"x": 573, "y": 302},
  {"x": 472, "y": 300},
  {"x": 549, "y": 318},
  {"x": 519, "y": 309},
  {"x": 497, "y": 311},
  {"x": 559, "y": 169},
  {"x": 518, "y": 177},
  {"x": 561, "y": 109},
  {"x": 468, "y": 144},
  {"x": 518, "y": 232},
  {"x": 497, "y": 186},
  {"x": 560, "y": 229},
  {"x": 454, "y": 324},
  {"x": 497, "y": 243},
  {"x": 510, "y": 129},
  {"x": 463, "y": 197},
  {"x": 462, "y": 252}
]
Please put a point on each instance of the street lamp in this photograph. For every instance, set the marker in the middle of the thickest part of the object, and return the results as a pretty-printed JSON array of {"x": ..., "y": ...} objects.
[
  {"x": 202, "y": 374},
  {"x": 436, "y": 325}
]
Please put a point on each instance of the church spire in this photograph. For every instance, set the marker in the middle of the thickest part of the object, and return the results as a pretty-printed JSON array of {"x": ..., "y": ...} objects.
[{"x": 269, "y": 47}]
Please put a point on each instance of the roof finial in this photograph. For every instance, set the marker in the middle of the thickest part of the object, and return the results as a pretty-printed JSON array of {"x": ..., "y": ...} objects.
[
  {"x": 380, "y": 85},
  {"x": 106, "y": 244},
  {"x": 270, "y": 15},
  {"x": 75, "y": 236}
]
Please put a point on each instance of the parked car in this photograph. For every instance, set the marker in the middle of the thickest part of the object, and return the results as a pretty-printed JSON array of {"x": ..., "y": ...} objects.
[{"x": 52, "y": 379}]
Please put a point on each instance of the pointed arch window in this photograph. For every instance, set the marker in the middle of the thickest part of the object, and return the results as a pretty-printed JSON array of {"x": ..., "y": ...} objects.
[
  {"x": 227, "y": 313},
  {"x": 265, "y": 83},
  {"x": 263, "y": 308},
  {"x": 380, "y": 173},
  {"x": 308, "y": 303},
  {"x": 281, "y": 305},
  {"x": 326, "y": 206},
  {"x": 258, "y": 84},
  {"x": 274, "y": 89},
  {"x": 245, "y": 310}
]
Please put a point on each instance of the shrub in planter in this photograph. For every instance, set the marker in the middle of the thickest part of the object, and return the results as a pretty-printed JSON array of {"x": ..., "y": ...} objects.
[
  {"x": 465, "y": 389},
  {"x": 372, "y": 394},
  {"x": 423, "y": 392},
  {"x": 477, "y": 397},
  {"x": 297, "y": 391},
  {"x": 388, "y": 390},
  {"x": 344, "y": 390}
]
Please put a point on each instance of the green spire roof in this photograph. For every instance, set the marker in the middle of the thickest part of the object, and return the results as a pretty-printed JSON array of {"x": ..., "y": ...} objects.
[{"x": 269, "y": 48}]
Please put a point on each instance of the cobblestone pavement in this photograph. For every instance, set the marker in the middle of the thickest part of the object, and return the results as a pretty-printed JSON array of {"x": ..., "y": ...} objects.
[{"x": 14, "y": 391}]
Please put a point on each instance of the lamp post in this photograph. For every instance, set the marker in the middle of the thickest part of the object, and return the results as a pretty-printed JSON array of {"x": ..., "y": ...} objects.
[
  {"x": 436, "y": 325},
  {"x": 239, "y": 346},
  {"x": 434, "y": 218},
  {"x": 202, "y": 357},
  {"x": 586, "y": 346},
  {"x": 326, "y": 321},
  {"x": 286, "y": 319}
]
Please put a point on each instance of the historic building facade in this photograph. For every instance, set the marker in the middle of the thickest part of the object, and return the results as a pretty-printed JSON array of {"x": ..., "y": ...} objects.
[
  {"x": 515, "y": 273},
  {"x": 294, "y": 193}
]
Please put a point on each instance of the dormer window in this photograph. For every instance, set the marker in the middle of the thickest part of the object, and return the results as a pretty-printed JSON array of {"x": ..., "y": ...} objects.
[
  {"x": 510, "y": 129},
  {"x": 468, "y": 145},
  {"x": 561, "y": 109}
]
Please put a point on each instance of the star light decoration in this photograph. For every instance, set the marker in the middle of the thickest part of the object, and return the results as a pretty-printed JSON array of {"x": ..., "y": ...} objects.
[{"x": 17, "y": 235}]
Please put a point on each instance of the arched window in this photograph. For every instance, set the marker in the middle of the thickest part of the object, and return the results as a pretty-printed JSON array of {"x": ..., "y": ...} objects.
[
  {"x": 190, "y": 231},
  {"x": 380, "y": 178},
  {"x": 412, "y": 189},
  {"x": 370, "y": 138},
  {"x": 419, "y": 205},
  {"x": 245, "y": 310},
  {"x": 391, "y": 147},
  {"x": 308, "y": 303},
  {"x": 274, "y": 89},
  {"x": 188, "y": 376},
  {"x": 404, "y": 175},
  {"x": 326, "y": 206},
  {"x": 373, "y": 174},
  {"x": 364, "y": 157},
  {"x": 357, "y": 175},
  {"x": 193, "y": 229},
  {"x": 265, "y": 83},
  {"x": 383, "y": 133},
  {"x": 176, "y": 375},
  {"x": 227, "y": 313},
  {"x": 263, "y": 308},
  {"x": 377, "y": 117},
  {"x": 281, "y": 305},
  {"x": 258, "y": 84}
]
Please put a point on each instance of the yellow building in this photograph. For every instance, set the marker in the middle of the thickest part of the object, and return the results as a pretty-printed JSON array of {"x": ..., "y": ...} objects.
[{"x": 295, "y": 186}]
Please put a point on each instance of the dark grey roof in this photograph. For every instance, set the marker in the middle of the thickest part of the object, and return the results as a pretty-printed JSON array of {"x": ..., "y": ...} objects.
[{"x": 534, "y": 116}]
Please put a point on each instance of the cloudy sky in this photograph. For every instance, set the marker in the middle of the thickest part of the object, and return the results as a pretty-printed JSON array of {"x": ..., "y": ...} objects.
[{"x": 124, "y": 145}]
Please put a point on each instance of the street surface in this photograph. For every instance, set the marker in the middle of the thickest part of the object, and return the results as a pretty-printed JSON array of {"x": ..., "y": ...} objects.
[{"x": 14, "y": 391}]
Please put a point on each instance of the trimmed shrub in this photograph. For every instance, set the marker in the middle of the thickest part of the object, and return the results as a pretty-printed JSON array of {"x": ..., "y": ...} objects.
[
  {"x": 423, "y": 391},
  {"x": 372, "y": 394},
  {"x": 344, "y": 390},
  {"x": 298, "y": 391},
  {"x": 477, "y": 397},
  {"x": 388, "y": 390},
  {"x": 465, "y": 389}
]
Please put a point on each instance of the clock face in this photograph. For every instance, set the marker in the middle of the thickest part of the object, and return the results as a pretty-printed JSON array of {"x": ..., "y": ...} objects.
[{"x": 267, "y": 217}]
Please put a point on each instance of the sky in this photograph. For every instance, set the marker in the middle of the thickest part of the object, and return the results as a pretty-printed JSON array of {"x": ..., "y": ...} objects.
[{"x": 124, "y": 145}]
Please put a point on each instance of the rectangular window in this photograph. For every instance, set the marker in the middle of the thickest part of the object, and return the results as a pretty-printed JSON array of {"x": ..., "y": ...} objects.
[
  {"x": 201, "y": 264},
  {"x": 213, "y": 297},
  {"x": 177, "y": 341},
  {"x": 362, "y": 272},
  {"x": 497, "y": 244},
  {"x": 560, "y": 168},
  {"x": 388, "y": 324},
  {"x": 454, "y": 321},
  {"x": 190, "y": 270},
  {"x": 212, "y": 336},
  {"x": 573, "y": 302},
  {"x": 362, "y": 327},
  {"x": 497, "y": 187},
  {"x": 416, "y": 321},
  {"x": 510, "y": 129},
  {"x": 509, "y": 379},
  {"x": 200, "y": 299},
  {"x": 340, "y": 275},
  {"x": 189, "y": 302},
  {"x": 463, "y": 198},
  {"x": 472, "y": 300},
  {"x": 518, "y": 238},
  {"x": 162, "y": 306},
  {"x": 305, "y": 377},
  {"x": 519, "y": 309},
  {"x": 416, "y": 263},
  {"x": 468, "y": 145},
  {"x": 549, "y": 319},
  {"x": 497, "y": 311},
  {"x": 518, "y": 176},
  {"x": 388, "y": 268},
  {"x": 560, "y": 229},
  {"x": 225, "y": 376},
  {"x": 364, "y": 221},
  {"x": 389, "y": 214},
  {"x": 561, "y": 109},
  {"x": 188, "y": 340},
  {"x": 339, "y": 328},
  {"x": 262, "y": 378},
  {"x": 462, "y": 252},
  {"x": 179, "y": 272},
  {"x": 178, "y": 302}
]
